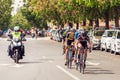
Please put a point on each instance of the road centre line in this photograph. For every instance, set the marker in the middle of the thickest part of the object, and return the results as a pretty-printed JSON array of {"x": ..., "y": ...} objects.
[
  {"x": 91, "y": 63},
  {"x": 44, "y": 57},
  {"x": 68, "y": 73}
]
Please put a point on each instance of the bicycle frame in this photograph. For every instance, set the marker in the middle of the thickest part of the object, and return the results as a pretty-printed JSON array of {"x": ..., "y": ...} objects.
[{"x": 70, "y": 55}]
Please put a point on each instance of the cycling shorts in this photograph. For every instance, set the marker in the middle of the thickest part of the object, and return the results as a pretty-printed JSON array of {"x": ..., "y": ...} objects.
[{"x": 84, "y": 44}]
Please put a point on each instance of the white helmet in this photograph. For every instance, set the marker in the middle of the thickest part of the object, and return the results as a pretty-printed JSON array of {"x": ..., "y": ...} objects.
[
  {"x": 16, "y": 28},
  {"x": 81, "y": 30}
]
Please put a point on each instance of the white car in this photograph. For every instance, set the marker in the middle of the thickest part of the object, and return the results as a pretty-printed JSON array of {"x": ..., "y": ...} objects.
[
  {"x": 95, "y": 38},
  {"x": 115, "y": 42},
  {"x": 106, "y": 39}
]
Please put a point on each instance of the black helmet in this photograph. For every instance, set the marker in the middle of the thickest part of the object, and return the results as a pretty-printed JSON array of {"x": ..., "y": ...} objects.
[{"x": 84, "y": 34}]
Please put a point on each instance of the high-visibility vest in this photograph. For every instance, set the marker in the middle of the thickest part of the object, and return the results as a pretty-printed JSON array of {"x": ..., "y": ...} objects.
[{"x": 16, "y": 35}]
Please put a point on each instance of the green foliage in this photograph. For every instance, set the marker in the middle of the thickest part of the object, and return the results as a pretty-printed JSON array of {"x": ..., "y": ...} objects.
[
  {"x": 38, "y": 12},
  {"x": 5, "y": 13},
  {"x": 19, "y": 20}
]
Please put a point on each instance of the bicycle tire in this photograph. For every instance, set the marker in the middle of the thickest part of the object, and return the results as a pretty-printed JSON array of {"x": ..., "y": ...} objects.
[{"x": 69, "y": 63}]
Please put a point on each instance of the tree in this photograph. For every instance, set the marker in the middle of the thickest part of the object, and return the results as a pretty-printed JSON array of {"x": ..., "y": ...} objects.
[
  {"x": 115, "y": 6},
  {"x": 5, "y": 13},
  {"x": 19, "y": 20}
]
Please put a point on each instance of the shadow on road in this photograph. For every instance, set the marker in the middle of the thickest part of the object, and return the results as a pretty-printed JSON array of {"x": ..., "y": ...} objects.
[
  {"x": 37, "y": 61},
  {"x": 96, "y": 71},
  {"x": 34, "y": 62}
]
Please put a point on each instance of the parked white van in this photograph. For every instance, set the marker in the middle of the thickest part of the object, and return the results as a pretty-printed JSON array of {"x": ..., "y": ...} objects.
[
  {"x": 106, "y": 39},
  {"x": 115, "y": 42}
]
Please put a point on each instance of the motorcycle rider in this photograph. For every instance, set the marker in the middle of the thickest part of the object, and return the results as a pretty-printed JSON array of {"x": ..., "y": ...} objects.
[{"x": 16, "y": 34}]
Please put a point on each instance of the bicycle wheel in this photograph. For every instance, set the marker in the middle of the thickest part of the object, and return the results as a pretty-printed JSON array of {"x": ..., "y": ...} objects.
[
  {"x": 69, "y": 59},
  {"x": 76, "y": 65},
  {"x": 83, "y": 65},
  {"x": 80, "y": 62}
]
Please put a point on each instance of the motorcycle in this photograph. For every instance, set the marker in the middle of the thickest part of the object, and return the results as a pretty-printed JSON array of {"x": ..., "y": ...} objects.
[{"x": 16, "y": 50}]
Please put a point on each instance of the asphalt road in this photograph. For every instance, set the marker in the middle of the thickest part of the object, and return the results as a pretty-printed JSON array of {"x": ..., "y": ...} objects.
[{"x": 44, "y": 61}]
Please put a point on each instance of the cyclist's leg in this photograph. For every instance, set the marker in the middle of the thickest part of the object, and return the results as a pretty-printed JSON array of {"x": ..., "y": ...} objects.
[
  {"x": 85, "y": 53},
  {"x": 75, "y": 46},
  {"x": 66, "y": 52},
  {"x": 79, "y": 52},
  {"x": 68, "y": 47}
]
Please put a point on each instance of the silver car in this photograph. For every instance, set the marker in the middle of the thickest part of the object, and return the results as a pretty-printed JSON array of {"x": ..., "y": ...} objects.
[{"x": 95, "y": 38}]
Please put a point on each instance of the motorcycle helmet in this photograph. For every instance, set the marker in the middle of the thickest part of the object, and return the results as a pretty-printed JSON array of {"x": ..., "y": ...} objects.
[{"x": 16, "y": 28}]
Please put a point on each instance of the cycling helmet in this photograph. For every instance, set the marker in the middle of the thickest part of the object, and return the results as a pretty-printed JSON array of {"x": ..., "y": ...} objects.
[
  {"x": 81, "y": 30},
  {"x": 84, "y": 34},
  {"x": 72, "y": 30}
]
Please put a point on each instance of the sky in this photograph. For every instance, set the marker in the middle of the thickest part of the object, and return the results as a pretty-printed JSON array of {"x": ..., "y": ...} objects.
[{"x": 17, "y": 4}]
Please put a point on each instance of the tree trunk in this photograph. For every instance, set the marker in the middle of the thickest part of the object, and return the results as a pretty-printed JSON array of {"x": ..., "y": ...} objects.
[
  {"x": 107, "y": 19},
  {"x": 84, "y": 22},
  {"x": 90, "y": 22},
  {"x": 116, "y": 17},
  {"x": 70, "y": 25},
  {"x": 77, "y": 27},
  {"x": 97, "y": 22}
]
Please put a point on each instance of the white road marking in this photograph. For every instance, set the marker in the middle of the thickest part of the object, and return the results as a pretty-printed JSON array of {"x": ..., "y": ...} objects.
[
  {"x": 5, "y": 64},
  {"x": 50, "y": 61},
  {"x": 17, "y": 66},
  {"x": 44, "y": 57},
  {"x": 68, "y": 73},
  {"x": 91, "y": 63}
]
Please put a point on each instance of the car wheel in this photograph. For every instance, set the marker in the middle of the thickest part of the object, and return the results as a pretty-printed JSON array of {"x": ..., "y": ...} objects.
[
  {"x": 115, "y": 52},
  {"x": 111, "y": 51},
  {"x": 101, "y": 48},
  {"x": 93, "y": 48}
]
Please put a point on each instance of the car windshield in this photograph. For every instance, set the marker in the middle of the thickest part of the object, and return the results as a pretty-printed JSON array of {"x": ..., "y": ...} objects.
[
  {"x": 110, "y": 33},
  {"x": 98, "y": 33},
  {"x": 118, "y": 35}
]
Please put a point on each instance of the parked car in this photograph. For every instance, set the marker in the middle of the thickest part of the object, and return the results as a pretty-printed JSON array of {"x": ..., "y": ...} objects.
[
  {"x": 60, "y": 35},
  {"x": 115, "y": 42},
  {"x": 52, "y": 32},
  {"x": 106, "y": 39},
  {"x": 95, "y": 38},
  {"x": 55, "y": 35}
]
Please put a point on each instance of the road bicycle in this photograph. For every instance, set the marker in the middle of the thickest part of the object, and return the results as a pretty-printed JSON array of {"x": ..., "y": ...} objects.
[
  {"x": 70, "y": 56},
  {"x": 81, "y": 61}
]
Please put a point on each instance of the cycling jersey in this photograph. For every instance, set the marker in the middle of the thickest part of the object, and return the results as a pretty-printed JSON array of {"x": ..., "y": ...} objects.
[
  {"x": 83, "y": 39},
  {"x": 76, "y": 34},
  {"x": 70, "y": 37}
]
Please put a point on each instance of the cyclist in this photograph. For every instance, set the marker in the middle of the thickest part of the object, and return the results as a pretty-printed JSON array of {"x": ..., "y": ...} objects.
[
  {"x": 77, "y": 33},
  {"x": 68, "y": 41},
  {"x": 63, "y": 39},
  {"x": 84, "y": 42}
]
